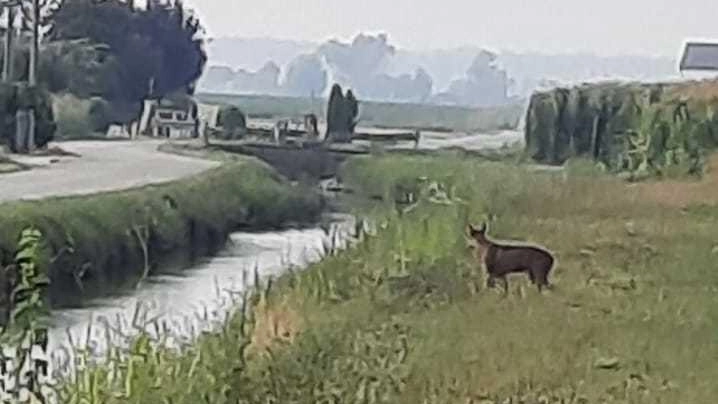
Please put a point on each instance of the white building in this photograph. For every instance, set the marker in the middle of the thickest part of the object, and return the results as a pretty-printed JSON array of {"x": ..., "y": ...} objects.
[{"x": 170, "y": 118}]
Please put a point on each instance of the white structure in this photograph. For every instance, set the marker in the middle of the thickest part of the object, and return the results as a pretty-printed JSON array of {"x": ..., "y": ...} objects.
[
  {"x": 208, "y": 116},
  {"x": 700, "y": 57},
  {"x": 169, "y": 118}
]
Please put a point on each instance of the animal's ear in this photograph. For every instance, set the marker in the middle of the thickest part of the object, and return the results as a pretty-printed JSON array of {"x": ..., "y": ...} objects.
[
  {"x": 483, "y": 228},
  {"x": 470, "y": 229}
]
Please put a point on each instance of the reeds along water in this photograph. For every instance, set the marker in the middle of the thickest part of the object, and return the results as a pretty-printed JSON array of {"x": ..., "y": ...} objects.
[{"x": 185, "y": 309}]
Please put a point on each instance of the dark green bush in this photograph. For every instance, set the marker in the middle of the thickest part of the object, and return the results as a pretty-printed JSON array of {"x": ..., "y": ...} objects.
[
  {"x": 100, "y": 114},
  {"x": 20, "y": 95},
  {"x": 342, "y": 113},
  {"x": 233, "y": 121}
]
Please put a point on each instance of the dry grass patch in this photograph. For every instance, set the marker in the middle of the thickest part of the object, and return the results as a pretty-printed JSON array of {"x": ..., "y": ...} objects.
[
  {"x": 275, "y": 323},
  {"x": 678, "y": 193}
]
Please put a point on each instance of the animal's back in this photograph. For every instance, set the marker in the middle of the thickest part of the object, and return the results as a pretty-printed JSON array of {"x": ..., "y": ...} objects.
[{"x": 510, "y": 258}]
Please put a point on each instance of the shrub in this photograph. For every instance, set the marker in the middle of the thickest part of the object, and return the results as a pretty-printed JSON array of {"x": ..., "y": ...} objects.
[
  {"x": 19, "y": 95},
  {"x": 233, "y": 122},
  {"x": 73, "y": 117},
  {"x": 99, "y": 114}
]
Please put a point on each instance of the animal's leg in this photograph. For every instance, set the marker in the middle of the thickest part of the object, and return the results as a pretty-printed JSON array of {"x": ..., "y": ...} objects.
[
  {"x": 532, "y": 277},
  {"x": 543, "y": 281},
  {"x": 491, "y": 281},
  {"x": 506, "y": 285}
]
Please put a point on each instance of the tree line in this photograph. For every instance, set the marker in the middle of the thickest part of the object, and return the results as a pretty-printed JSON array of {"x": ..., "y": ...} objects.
[{"x": 108, "y": 49}]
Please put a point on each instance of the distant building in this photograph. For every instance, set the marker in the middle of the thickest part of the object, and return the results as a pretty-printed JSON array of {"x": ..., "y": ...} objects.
[
  {"x": 170, "y": 117},
  {"x": 208, "y": 115},
  {"x": 699, "y": 56}
]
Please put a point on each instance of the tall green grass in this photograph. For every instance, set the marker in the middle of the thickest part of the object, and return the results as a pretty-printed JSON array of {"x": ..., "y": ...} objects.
[
  {"x": 404, "y": 316},
  {"x": 98, "y": 243}
]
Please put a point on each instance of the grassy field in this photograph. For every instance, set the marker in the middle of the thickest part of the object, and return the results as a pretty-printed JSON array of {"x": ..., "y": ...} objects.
[
  {"x": 376, "y": 114},
  {"x": 404, "y": 317}
]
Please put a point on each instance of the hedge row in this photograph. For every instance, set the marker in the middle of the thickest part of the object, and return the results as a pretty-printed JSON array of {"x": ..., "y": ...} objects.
[{"x": 595, "y": 120}]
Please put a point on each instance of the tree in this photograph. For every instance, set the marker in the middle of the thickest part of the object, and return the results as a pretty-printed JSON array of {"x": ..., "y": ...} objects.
[
  {"x": 162, "y": 43},
  {"x": 232, "y": 121},
  {"x": 36, "y": 18},
  {"x": 9, "y": 7},
  {"x": 80, "y": 67},
  {"x": 342, "y": 115},
  {"x": 335, "y": 112},
  {"x": 352, "y": 111}
]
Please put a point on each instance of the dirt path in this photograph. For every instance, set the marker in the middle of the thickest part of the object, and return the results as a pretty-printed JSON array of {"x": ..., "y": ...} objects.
[{"x": 104, "y": 166}]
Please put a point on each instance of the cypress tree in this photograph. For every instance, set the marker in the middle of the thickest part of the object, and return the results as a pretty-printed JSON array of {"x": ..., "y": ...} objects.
[
  {"x": 352, "y": 107},
  {"x": 335, "y": 111}
]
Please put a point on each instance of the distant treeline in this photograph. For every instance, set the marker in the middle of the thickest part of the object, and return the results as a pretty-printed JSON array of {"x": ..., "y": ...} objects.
[{"x": 362, "y": 66}]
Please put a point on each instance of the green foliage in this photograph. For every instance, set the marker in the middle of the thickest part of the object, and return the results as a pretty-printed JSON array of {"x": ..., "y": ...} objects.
[
  {"x": 28, "y": 316},
  {"x": 233, "y": 122},
  {"x": 150, "y": 371},
  {"x": 165, "y": 46},
  {"x": 336, "y": 114},
  {"x": 81, "y": 118},
  {"x": 342, "y": 114},
  {"x": 19, "y": 95},
  {"x": 341, "y": 365},
  {"x": 352, "y": 114},
  {"x": 99, "y": 114},
  {"x": 403, "y": 317},
  {"x": 29, "y": 310},
  {"x": 90, "y": 243},
  {"x": 78, "y": 66},
  {"x": 628, "y": 128}
]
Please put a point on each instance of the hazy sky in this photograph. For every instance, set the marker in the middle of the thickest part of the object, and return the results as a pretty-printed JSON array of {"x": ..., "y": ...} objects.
[{"x": 654, "y": 27}]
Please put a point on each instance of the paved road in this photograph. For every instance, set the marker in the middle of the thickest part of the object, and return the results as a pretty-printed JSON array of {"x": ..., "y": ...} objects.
[{"x": 104, "y": 166}]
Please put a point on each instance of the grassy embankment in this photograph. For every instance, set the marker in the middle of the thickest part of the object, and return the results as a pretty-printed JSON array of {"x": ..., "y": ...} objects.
[
  {"x": 97, "y": 243},
  {"x": 405, "y": 318},
  {"x": 379, "y": 114}
]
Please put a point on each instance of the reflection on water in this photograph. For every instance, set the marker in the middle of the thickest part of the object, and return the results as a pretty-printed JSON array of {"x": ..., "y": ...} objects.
[{"x": 196, "y": 299}]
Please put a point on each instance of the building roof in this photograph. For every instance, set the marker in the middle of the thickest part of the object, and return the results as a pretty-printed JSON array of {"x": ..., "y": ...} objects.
[{"x": 699, "y": 55}]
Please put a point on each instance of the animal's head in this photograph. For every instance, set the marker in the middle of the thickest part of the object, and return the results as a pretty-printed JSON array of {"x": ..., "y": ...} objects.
[{"x": 478, "y": 233}]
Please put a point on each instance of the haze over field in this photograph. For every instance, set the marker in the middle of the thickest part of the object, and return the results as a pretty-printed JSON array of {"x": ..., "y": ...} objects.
[
  {"x": 245, "y": 64},
  {"x": 560, "y": 40}
]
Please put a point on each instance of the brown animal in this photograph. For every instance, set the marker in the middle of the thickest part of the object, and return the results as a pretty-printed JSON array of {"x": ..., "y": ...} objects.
[{"x": 502, "y": 259}]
